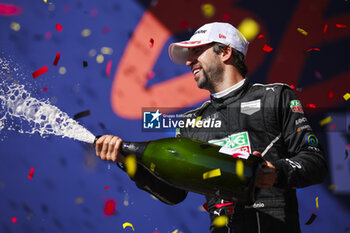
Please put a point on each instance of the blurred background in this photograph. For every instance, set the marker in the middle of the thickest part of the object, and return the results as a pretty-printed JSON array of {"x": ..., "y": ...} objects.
[{"x": 114, "y": 61}]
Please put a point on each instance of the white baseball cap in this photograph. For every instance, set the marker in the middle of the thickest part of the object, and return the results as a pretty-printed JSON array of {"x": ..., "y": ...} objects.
[{"x": 223, "y": 33}]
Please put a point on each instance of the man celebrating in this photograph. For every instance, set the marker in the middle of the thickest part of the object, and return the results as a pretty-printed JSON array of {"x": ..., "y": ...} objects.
[{"x": 255, "y": 118}]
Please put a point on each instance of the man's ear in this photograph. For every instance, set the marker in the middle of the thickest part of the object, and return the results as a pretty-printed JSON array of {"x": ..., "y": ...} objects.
[{"x": 226, "y": 54}]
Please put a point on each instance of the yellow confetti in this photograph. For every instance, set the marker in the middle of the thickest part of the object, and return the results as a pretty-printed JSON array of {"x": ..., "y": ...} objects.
[
  {"x": 220, "y": 221},
  {"x": 100, "y": 58},
  {"x": 45, "y": 1},
  {"x": 131, "y": 165},
  {"x": 107, "y": 50},
  {"x": 211, "y": 174},
  {"x": 152, "y": 167},
  {"x": 302, "y": 31},
  {"x": 62, "y": 70},
  {"x": 127, "y": 224},
  {"x": 86, "y": 32},
  {"x": 346, "y": 96},
  {"x": 317, "y": 202},
  {"x": 325, "y": 121},
  {"x": 332, "y": 187},
  {"x": 154, "y": 197},
  {"x": 249, "y": 28},
  {"x": 176, "y": 231},
  {"x": 79, "y": 200},
  {"x": 240, "y": 169},
  {"x": 208, "y": 10},
  {"x": 15, "y": 26}
]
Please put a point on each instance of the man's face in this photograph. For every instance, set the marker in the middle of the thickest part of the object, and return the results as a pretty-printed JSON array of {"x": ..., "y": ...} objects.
[{"x": 206, "y": 66}]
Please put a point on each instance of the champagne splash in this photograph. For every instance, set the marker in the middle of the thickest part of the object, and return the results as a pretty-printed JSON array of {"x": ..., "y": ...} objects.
[{"x": 36, "y": 116}]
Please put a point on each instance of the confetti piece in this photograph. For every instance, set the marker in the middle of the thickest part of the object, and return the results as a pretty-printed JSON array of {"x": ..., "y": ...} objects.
[
  {"x": 332, "y": 127},
  {"x": 62, "y": 70},
  {"x": 211, "y": 174},
  {"x": 310, "y": 106},
  {"x": 86, "y": 32},
  {"x": 318, "y": 74},
  {"x": 311, "y": 219},
  {"x": 152, "y": 167},
  {"x": 58, "y": 27},
  {"x": 40, "y": 71},
  {"x": 150, "y": 75},
  {"x": 317, "y": 203},
  {"x": 205, "y": 206},
  {"x": 14, "y": 219},
  {"x": 325, "y": 121},
  {"x": 127, "y": 224},
  {"x": 208, "y": 10},
  {"x": 15, "y": 26},
  {"x": 340, "y": 25},
  {"x": 249, "y": 28},
  {"x": 226, "y": 17},
  {"x": 79, "y": 200},
  {"x": 106, "y": 29},
  {"x": 10, "y": 10},
  {"x": 81, "y": 114},
  {"x": 302, "y": 31},
  {"x": 107, "y": 187},
  {"x": 332, "y": 187},
  {"x": 126, "y": 201},
  {"x": 66, "y": 8},
  {"x": 175, "y": 231},
  {"x": 292, "y": 86},
  {"x": 220, "y": 221},
  {"x": 131, "y": 165},
  {"x": 183, "y": 24},
  {"x": 100, "y": 58},
  {"x": 57, "y": 58},
  {"x": 93, "y": 12},
  {"x": 110, "y": 207},
  {"x": 107, "y": 50},
  {"x": 151, "y": 43},
  {"x": 325, "y": 28},
  {"x": 267, "y": 48},
  {"x": 311, "y": 49},
  {"x": 48, "y": 35},
  {"x": 85, "y": 64},
  {"x": 240, "y": 169},
  {"x": 223, "y": 205},
  {"x": 346, "y": 96},
  {"x": 260, "y": 36},
  {"x": 31, "y": 173},
  {"x": 45, "y": 1},
  {"x": 108, "y": 68}
]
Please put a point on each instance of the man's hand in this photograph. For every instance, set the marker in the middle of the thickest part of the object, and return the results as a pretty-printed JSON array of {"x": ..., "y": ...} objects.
[
  {"x": 107, "y": 148},
  {"x": 267, "y": 174}
]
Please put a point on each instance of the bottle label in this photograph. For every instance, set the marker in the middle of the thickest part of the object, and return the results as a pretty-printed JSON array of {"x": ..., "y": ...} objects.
[
  {"x": 234, "y": 152},
  {"x": 237, "y": 141}
]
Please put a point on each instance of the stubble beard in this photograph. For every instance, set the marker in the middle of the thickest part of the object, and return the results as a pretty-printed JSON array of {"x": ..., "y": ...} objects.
[{"x": 212, "y": 76}]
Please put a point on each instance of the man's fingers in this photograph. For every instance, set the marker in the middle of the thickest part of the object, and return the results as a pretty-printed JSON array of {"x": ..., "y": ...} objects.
[
  {"x": 105, "y": 146},
  {"x": 116, "y": 149}
]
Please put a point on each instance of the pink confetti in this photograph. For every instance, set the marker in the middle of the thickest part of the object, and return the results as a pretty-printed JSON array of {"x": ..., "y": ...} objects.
[
  {"x": 40, "y": 71},
  {"x": 325, "y": 28},
  {"x": 292, "y": 86},
  {"x": 10, "y": 10},
  {"x": 58, "y": 27},
  {"x": 110, "y": 207},
  {"x": 57, "y": 58},
  {"x": 14, "y": 219},
  {"x": 267, "y": 48},
  {"x": 151, "y": 43},
  {"x": 316, "y": 49},
  {"x": 150, "y": 75},
  {"x": 48, "y": 35},
  {"x": 93, "y": 12},
  {"x": 108, "y": 68},
  {"x": 223, "y": 205},
  {"x": 31, "y": 173},
  {"x": 106, "y": 29}
]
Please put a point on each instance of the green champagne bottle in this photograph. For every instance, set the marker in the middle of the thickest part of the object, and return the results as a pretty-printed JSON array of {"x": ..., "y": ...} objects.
[{"x": 199, "y": 167}]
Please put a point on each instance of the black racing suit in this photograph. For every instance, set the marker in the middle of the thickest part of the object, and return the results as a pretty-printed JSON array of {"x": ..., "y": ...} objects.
[{"x": 252, "y": 116}]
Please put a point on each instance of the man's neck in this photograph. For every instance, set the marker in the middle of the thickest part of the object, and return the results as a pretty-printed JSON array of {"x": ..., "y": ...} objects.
[{"x": 229, "y": 80}]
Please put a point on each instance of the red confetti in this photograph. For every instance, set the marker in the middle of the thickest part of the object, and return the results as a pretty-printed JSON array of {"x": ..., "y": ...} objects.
[
  {"x": 110, "y": 207},
  {"x": 183, "y": 24},
  {"x": 267, "y": 48},
  {"x": 332, "y": 127},
  {"x": 292, "y": 86},
  {"x": 340, "y": 25},
  {"x": 226, "y": 17},
  {"x": 151, "y": 43},
  {"x": 58, "y": 27},
  {"x": 330, "y": 95},
  {"x": 40, "y": 71},
  {"x": 107, "y": 187},
  {"x": 150, "y": 75},
  {"x": 108, "y": 68},
  {"x": 14, "y": 219},
  {"x": 260, "y": 36},
  {"x": 106, "y": 29},
  {"x": 316, "y": 49},
  {"x": 310, "y": 106},
  {"x": 45, "y": 89},
  {"x": 10, "y": 10},
  {"x": 223, "y": 205},
  {"x": 93, "y": 12},
  {"x": 31, "y": 173},
  {"x": 325, "y": 29},
  {"x": 57, "y": 58},
  {"x": 66, "y": 8},
  {"x": 205, "y": 206},
  {"x": 48, "y": 35}
]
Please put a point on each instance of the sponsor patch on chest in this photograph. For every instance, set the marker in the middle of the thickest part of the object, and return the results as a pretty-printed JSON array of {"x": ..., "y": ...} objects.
[{"x": 251, "y": 107}]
